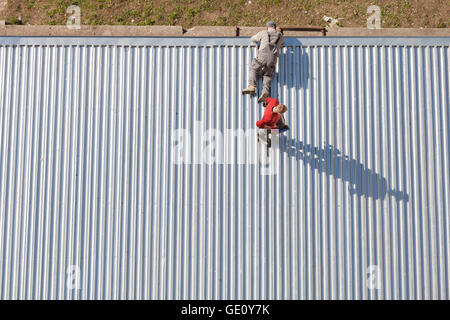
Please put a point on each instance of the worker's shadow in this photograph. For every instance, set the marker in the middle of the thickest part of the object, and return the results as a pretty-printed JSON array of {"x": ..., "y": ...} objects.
[
  {"x": 362, "y": 181},
  {"x": 293, "y": 69}
]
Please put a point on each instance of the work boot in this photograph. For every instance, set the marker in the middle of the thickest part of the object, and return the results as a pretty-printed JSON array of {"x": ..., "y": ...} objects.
[
  {"x": 249, "y": 90},
  {"x": 263, "y": 97}
]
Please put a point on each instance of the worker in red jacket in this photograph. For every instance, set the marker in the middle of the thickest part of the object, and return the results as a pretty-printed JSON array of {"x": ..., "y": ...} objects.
[{"x": 272, "y": 118}]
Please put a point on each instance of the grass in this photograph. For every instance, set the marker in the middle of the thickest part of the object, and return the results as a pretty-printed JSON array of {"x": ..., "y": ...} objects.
[{"x": 188, "y": 13}]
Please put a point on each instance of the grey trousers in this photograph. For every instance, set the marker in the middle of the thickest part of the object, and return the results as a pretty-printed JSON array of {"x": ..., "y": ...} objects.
[{"x": 256, "y": 69}]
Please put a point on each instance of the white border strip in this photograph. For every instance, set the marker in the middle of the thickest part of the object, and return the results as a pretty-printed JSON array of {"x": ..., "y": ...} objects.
[{"x": 222, "y": 41}]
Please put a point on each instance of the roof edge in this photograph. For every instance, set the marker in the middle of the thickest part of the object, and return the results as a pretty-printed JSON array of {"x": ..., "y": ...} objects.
[
  {"x": 207, "y": 31},
  {"x": 183, "y": 41}
]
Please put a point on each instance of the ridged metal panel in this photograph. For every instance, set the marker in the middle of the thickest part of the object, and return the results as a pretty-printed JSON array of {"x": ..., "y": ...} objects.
[{"x": 88, "y": 175}]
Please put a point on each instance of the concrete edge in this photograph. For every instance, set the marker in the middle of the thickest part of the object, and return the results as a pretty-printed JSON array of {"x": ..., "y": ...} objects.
[
  {"x": 389, "y": 32},
  {"x": 207, "y": 31},
  {"x": 86, "y": 31}
]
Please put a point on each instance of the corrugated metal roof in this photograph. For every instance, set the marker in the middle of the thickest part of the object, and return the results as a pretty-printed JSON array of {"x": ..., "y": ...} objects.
[{"x": 91, "y": 188}]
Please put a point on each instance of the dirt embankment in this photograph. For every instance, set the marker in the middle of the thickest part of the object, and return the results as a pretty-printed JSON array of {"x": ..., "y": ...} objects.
[{"x": 188, "y": 13}]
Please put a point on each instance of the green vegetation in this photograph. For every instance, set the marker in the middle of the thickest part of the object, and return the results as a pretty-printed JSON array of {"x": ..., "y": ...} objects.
[
  {"x": 188, "y": 13},
  {"x": 13, "y": 20}
]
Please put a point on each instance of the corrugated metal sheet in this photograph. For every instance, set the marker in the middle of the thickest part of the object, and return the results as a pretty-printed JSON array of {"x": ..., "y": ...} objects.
[{"x": 90, "y": 187}]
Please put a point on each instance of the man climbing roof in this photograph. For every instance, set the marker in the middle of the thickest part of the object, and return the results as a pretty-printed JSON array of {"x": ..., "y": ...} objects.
[
  {"x": 272, "y": 118},
  {"x": 265, "y": 62}
]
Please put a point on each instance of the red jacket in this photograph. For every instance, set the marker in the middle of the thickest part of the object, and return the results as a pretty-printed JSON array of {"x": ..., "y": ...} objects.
[{"x": 269, "y": 118}]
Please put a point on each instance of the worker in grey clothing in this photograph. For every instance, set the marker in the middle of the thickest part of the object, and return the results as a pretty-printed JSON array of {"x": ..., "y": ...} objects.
[{"x": 271, "y": 41}]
